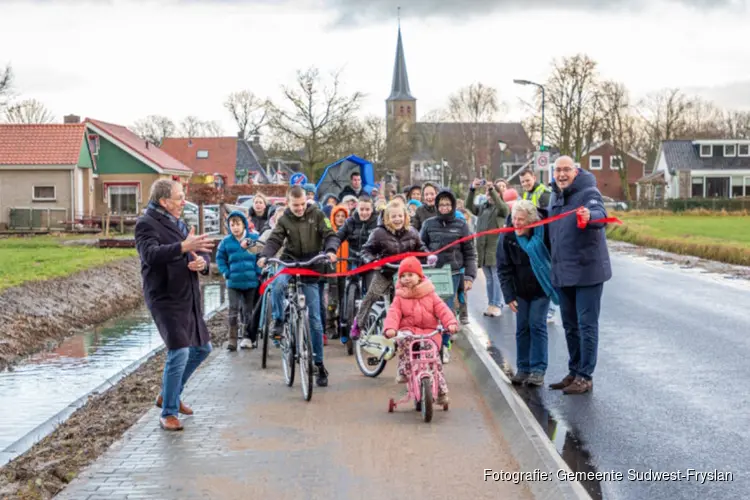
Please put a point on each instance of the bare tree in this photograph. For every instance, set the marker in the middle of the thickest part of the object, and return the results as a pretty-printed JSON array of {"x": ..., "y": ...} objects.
[
  {"x": 212, "y": 129},
  {"x": 6, "y": 85},
  {"x": 154, "y": 128},
  {"x": 190, "y": 126},
  {"x": 249, "y": 112},
  {"x": 28, "y": 111},
  {"x": 703, "y": 120},
  {"x": 665, "y": 114},
  {"x": 314, "y": 113},
  {"x": 622, "y": 126},
  {"x": 736, "y": 124},
  {"x": 471, "y": 106}
]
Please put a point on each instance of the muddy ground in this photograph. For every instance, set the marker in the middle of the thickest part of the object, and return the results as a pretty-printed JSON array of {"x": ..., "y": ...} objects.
[
  {"x": 37, "y": 315},
  {"x": 51, "y": 464}
]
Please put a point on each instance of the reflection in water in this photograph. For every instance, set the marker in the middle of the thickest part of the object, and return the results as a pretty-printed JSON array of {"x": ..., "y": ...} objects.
[
  {"x": 48, "y": 382},
  {"x": 570, "y": 448}
]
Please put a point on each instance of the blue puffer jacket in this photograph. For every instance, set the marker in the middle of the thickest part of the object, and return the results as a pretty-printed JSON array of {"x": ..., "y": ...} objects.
[
  {"x": 238, "y": 265},
  {"x": 579, "y": 256}
]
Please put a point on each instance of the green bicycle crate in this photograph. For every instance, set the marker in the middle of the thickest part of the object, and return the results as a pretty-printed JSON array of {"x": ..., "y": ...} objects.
[{"x": 441, "y": 278}]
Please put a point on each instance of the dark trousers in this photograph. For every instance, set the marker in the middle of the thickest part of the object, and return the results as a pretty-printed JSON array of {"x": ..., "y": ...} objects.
[
  {"x": 241, "y": 305},
  {"x": 335, "y": 298},
  {"x": 579, "y": 308}
]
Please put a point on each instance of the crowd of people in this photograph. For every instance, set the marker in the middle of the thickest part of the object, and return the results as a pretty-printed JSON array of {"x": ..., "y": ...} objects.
[{"x": 528, "y": 269}]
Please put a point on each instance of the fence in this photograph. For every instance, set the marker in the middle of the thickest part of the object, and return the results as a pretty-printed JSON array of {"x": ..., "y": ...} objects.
[{"x": 37, "y": 218}]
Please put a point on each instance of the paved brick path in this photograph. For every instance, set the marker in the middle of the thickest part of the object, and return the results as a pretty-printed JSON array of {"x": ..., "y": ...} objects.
[{"x": 252, "y": 437}]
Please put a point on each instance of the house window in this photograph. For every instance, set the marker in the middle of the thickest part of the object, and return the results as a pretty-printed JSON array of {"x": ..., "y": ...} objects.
[
  {"x": 123, "y": 200},
  {"x": 697, "y": 191},
  {"x": 743, "y": 150},
  {"x": 201, "y": 154},
  {"x": 707, "y": 150},
  {"x": 595, "y": 163},
  {"x": 44, "y": 193},
  {"x": 717, "y": 187},
  {"x": 737, "y": 186},
  {"x": 730, "y": 150},
  {"x": 615, "y": 162}
]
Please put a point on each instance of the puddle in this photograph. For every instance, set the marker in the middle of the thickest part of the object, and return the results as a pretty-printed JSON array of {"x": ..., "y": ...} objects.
[
  {"x": 567, "y": 444},
  {"x": 44, "y": 385}
]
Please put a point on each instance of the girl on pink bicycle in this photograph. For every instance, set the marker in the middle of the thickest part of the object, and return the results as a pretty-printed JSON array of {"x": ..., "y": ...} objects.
[{"x": 418, "y": 309}]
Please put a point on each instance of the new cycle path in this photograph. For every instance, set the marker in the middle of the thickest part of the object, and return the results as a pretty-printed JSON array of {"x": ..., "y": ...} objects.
[{"x": 253, "y": 437}]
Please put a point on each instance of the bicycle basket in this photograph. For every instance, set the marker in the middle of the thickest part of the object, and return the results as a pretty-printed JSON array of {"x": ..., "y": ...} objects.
[{"x": 442, "y": 278}]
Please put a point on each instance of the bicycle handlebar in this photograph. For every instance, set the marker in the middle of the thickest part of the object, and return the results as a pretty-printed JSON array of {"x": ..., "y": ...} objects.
[
  {"x": 314, "y": 260},
  {"x": 405, "y": 334}
]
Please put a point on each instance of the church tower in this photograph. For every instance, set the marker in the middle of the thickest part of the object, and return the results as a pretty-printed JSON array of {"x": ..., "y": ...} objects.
[{"x": 401, "y": 117}]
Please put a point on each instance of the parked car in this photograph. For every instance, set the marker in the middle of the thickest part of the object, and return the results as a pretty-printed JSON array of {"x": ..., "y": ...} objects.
[
  {"x": 210, "y": 218},
  {"x": 612, "y": 204},
  {"x": 243, "y": 198}
]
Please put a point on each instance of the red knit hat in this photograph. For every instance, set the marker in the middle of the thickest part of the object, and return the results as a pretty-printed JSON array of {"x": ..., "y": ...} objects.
[{"x": 411, "y": 265}]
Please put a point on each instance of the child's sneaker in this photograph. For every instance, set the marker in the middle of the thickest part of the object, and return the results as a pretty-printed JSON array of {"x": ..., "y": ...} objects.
[
  {"x": 400, "y": 378},
  {"x": 325, "y": 339},
  {"x": 446, "y": 356},
  {"x": 442, "y": 399},
  {"x": 247, "y": 344}
]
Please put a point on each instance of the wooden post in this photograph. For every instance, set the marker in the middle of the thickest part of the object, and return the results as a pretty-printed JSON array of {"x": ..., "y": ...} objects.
[
  {"x": 201, "y": 213},
  {"x": 122, "y": 224},
  {"x": 222, "y": 226},
  {"x": 106, "y": 224},
  {"x": 49, "y": 220}
]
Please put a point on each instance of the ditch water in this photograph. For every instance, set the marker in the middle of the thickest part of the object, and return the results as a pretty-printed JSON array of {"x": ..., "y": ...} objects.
[{"x": 41, "y": 392}]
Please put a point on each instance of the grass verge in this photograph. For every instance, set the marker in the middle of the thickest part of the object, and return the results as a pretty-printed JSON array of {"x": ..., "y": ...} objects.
[
  {"x": 723, "y": 238},
  {"x": 44, "y": 257},
  {"x": 45, "y": 470}
]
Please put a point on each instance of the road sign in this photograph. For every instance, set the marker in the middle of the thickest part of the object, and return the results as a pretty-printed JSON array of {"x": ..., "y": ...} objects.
[{"x": 541, "y": 160}]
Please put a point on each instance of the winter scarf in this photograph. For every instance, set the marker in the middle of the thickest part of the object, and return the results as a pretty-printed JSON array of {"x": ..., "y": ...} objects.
[{"x": 541, "y": 261}]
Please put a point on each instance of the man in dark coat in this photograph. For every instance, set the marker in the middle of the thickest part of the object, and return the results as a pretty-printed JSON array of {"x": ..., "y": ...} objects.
[
  {"x": 580, "y": 266},
  {"x": 171, "y": 258}
]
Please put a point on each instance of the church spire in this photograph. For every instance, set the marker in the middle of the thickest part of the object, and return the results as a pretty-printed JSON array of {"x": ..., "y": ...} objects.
[{"x": 400, "y": 87}]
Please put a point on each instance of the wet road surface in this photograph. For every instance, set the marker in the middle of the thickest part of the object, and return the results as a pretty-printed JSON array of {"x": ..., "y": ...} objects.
[
  {"x": 671, "y": 382},
  {"x": 252, "y": 437}
]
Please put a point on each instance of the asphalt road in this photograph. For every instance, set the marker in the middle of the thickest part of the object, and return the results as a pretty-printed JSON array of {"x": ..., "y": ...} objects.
[{"x": 670, "y": 387}]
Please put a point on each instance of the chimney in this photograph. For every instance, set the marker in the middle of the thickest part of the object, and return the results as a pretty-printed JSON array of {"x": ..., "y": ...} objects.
[{"x": 71, "y": 119}]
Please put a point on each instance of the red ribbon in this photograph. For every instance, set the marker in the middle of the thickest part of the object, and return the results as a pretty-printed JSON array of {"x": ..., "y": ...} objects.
[{"x": 398, "y": 257}]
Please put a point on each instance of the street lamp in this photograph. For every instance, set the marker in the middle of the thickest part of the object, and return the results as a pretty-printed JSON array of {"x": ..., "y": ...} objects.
[{"x": 527, "y": 82}]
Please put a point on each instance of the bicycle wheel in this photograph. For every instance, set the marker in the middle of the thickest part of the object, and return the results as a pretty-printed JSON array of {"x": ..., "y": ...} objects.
[
  {"x": 305, "y": 357},
  {"x": 427, "y": 399},
  {"x": 350, "y": 312},
  {"x": 266, "y": 327},
  {"x": 370, "y": 365},
  {"x": 287, "y": 353}
]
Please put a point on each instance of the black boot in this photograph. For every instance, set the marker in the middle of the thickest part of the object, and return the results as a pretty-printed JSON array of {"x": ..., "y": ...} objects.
[{"x": 322, "y": 375}]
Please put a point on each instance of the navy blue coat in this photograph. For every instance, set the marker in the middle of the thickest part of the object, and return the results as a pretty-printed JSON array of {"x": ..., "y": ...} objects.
[
  {"x": 171, "y": 290},
  {"x": 579, "y": 256},
  {"x": 236, "y": 264}
]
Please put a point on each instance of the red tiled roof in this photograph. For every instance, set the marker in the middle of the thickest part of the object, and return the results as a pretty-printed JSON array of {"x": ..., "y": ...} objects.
[
  {"x": 138, "y": 145},
  {"x": 222, "y": 154},
  {"x": 49, "y": 144}
]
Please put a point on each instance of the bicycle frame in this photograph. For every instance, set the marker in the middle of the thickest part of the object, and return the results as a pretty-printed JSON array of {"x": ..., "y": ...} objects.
[{"x": 424, "y": 355}]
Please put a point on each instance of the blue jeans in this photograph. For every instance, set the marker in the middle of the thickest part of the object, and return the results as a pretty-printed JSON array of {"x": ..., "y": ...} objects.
[
  {"x": 457, "y": 292},
  {"x": 579, "y": 308},
  {"x": 312, "y": 297},
  {"x": 180, "y": 365},
  {"x": 494, "y": 293},
  {"x": 531, "y": 335}
]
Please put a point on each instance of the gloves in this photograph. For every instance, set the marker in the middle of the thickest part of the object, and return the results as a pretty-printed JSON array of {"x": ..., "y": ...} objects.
[{"x": 432, "y": 260}]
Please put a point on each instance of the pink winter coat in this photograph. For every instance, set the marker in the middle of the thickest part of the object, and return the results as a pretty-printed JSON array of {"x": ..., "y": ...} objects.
[{"x": 418, "y": 310}]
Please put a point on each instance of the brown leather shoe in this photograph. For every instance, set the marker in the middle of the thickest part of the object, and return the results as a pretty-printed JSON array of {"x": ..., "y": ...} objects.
[
  {"x": 563, "y": 383},
  {"x": 170, "y": 423},
  {"x": 184, "y": 409},
  {"x": 579, "y": 386}
]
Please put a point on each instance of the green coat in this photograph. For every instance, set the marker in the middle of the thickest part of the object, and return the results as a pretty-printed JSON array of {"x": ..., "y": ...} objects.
[{"x": 489, "y": 216}]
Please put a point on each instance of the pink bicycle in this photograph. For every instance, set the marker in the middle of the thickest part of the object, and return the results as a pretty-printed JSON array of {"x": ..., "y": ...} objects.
[{"x": 422, "y": 379}]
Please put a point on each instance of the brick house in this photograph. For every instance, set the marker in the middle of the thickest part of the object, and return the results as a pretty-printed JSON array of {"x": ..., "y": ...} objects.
[{"x": 602, "y": 161}]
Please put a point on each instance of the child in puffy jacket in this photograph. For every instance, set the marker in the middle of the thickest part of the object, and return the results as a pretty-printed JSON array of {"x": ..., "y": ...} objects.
[
  {"x": 418, "y": 309},
  {"x": 238, "y": 265}
]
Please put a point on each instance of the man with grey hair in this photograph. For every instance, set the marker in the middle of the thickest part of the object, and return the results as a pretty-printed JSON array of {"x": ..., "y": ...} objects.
[
  {"x": 171, "y": 256},
  {"x": 580, "y": 266}
]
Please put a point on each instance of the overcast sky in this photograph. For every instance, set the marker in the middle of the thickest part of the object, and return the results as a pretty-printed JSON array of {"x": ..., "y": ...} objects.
[{"x": 120, "y": 60}]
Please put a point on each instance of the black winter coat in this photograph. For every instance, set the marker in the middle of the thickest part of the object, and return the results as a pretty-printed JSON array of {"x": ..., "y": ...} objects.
[
  {"x": 423, "y": 213},
  {"x": 517, "y": 278},
  {"x": 356, "y": 231},
  {"x": 444, "y": 229},
  {"x": 171, "y": 290},
  {"x": 386, "y": 242},
  {"x": 579, "y": 256}
]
